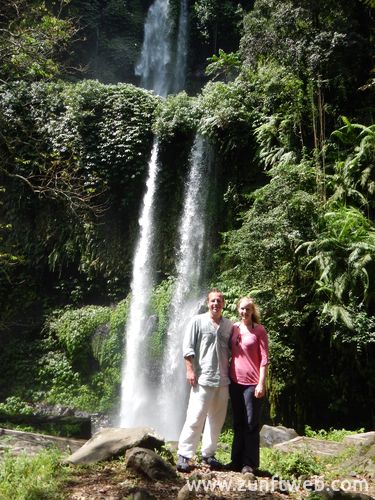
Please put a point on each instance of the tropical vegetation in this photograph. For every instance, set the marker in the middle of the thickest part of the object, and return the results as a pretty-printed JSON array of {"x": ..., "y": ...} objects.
[{"x": 284, "y": 91}]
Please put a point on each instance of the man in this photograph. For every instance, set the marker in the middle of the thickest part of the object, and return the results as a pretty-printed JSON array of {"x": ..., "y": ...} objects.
[{"x": 206, "y": 353}]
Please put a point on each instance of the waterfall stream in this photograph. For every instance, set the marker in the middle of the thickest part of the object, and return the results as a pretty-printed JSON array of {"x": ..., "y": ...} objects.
[
  {"x": 153, "y": 65},
  {"x": 182, "y": 48},
  {"x": 136, "y": 372},
  {"x": 187, "y": 293}
]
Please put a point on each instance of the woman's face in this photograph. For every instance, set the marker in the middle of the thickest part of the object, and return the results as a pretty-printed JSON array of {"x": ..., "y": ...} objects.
[{"x": 245, "y": 310}]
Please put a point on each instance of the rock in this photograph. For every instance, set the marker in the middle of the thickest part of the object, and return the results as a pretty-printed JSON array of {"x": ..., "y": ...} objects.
[
  {"x": 317, "y": 446},
  {"x": 362, "y": 461},
  {"x": 185, "y": 493},
  {"x": 17, "y": 442},
  {"x": 248, "y": 476},
  {"x": 366, "y": 438},
  {"x": 113, "y": 442},
  {"x": 272, "y": 435},
  {"x": 140, "y": 494},
  {"x": 334, "y": 494},
  {"x": 149, "y": 463}
]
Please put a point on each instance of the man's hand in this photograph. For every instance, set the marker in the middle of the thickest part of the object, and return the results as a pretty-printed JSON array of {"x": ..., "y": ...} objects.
[
  {"x": 190, "y": 373},
  {"x": 190, "y": 376}
]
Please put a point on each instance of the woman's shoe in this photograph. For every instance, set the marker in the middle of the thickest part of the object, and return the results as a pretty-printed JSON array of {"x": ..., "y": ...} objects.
[
  {"x": 246, "y": 469},
  {"x": 233, "y": 467}
]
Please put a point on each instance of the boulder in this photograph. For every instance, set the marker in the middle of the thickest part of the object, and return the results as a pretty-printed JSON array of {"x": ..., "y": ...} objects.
[
  {"x": 272, "y": 435},
  {"x": 112, "y": 442},
  {"x": 149, "y": 463},
  {"x": 365, "y": 438}
]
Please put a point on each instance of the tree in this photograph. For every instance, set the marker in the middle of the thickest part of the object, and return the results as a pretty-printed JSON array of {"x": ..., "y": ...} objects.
[
  {"x": 344, "y": 255},
  {"x": 352, "y": 181},
  {"x": 224, "y": 65},
  {"x": 34, "y": 42}
]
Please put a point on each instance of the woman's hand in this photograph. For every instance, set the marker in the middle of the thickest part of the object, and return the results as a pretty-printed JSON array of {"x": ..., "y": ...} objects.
[{"x": 260, "y": 391}]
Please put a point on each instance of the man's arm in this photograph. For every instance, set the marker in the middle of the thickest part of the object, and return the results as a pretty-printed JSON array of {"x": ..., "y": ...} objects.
[{"x": 190, "y": 373}]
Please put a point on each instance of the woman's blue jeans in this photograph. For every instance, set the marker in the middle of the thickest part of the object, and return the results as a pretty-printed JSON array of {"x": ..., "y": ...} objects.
[{"x": 246, "y": 425}]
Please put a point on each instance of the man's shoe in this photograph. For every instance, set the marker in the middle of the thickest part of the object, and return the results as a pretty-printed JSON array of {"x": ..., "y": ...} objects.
[
  {"x": 183, "y": 464},
  {"x": 212, "y": 463}
]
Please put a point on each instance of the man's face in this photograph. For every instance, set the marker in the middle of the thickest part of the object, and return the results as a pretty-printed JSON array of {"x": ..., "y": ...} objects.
[{"x": 215, "y": 303}]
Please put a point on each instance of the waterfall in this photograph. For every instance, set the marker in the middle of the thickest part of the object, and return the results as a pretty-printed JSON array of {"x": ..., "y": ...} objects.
[
  {"x": 182, "y": 48},
  {"x": 154, "y": 64},
  {"x": 142, "y": 402},
  {"x": 136, "y": 372},
  {"x": 187, "y": 294}
]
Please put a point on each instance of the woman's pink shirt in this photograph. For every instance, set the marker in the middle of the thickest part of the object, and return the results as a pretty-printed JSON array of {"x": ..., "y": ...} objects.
[{"x": 249, "y": 348}]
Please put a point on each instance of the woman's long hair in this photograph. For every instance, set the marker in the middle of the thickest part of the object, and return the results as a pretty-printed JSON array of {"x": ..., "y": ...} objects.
[{"x": 255, "y": 316}]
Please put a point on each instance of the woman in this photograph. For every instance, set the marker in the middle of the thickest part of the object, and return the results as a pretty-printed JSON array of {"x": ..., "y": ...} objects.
[{"x": 248, "y": 369}]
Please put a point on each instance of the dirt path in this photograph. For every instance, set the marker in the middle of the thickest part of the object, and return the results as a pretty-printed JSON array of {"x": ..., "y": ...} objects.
[{"x": 113, "y": 482}]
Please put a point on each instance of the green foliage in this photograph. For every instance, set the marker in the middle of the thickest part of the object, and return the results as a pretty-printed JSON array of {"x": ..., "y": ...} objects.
[
  {"x": 330, "y": 434},
  {"x": 39, "y": 477},
  {"x": 215, "y": 20},
  {"x": 160, "y": 304},
  {"x": 290, "y": 465},
  {"x": 316, "y": 39},
  {"x": 227, "y": 114},
  {"x": 83, "y": 367},
  {"x": 74, "y": 330},
  {"x": 176, "y": 115},
  {"x": 33, "y": 41},
  {"x": 343, "y": 252},
  {"x": 224, "y": 446},
  {"x": 224, "y": 65},
  {"x": 76, "y": 156},
  {"x": 352, "y": 149},
  {"x": 13, "y": 405}
]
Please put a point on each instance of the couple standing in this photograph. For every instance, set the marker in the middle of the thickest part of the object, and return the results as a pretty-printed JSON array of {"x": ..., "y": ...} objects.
[{"x": 209, "y": 342}]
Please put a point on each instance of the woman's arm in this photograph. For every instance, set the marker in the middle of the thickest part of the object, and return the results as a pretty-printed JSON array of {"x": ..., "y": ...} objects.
[{"x": 260, "y": 389}]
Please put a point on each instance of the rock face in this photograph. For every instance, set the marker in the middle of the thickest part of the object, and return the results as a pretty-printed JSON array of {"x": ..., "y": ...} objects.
[
  {"x": 113, "y": 442},
  {"x": 270, "y": 436},
  {"x": 149, "y": 463}
]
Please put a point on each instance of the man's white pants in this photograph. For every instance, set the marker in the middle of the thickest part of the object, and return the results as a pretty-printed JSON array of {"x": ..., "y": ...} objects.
[{"x": 207, "y": 407}]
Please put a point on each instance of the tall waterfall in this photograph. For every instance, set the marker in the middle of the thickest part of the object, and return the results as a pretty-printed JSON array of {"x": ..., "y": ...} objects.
[
  {"x": 182, "y": 48},
  {"x": 154, "y": 64},
  {"x": 187, "y": 292},
  {"x": 136, "y": 372},
  {"x": 142, "y": 403}
]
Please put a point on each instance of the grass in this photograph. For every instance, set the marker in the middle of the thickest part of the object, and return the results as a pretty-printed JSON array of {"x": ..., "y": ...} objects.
[{"x": 37, "y": 477}]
